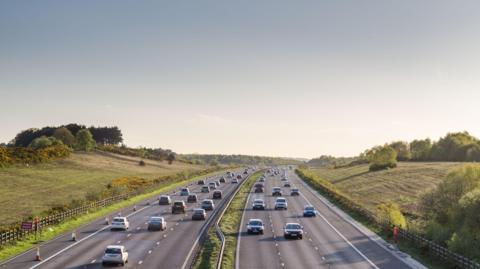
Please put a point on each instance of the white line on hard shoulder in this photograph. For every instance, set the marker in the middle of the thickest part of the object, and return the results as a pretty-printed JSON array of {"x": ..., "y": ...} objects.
[{"x": 342, "y": 236}]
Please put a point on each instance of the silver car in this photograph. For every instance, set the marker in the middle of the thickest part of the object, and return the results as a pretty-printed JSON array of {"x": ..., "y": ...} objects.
[{"x": 115, "y": 254}]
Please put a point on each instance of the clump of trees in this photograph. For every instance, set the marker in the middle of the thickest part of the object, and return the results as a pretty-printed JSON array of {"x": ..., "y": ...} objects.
[
  {"x": 67, "y": 134},
  {"x": 451, "y": 211},
  {"x": 84, "y": 140},
  {"x": 381, "y": 157},
  {"x": 390, "y": 212}
]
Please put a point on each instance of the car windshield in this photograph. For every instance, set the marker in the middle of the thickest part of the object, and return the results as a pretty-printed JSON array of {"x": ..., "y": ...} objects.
[
  {"x": 118, "y": 220},
  {"x": 294, "y": 190},
  {"x": 207, "y": 202},
  {"x": 199, "y": 211},
  {"x": 309, "y": 208},
  {"x": 113, "y": 251},
  {"x": 178, "y": 203},
  {"x": 155, "y": 220},
  {"x": 258, "y": 202},
  {"x": 255, "y": 223},
  {"x": 293, "y": 226},
  {"x": 276, "y": 189},
  {"x": 280, "y": 200}
]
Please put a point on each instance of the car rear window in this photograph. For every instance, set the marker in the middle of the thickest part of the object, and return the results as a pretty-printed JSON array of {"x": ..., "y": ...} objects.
[
  {"x": 113, "y": 251},
  {"x": 281, "y": 200},
  {"x": 199, "y": 211},
  {"x": 118, "y": 220},
  {"x": 256, "y": 223},
  {"x": 293, "y": 226},
  {"x": 178, "y": 203},
  {"x": 309, "y": 208}
]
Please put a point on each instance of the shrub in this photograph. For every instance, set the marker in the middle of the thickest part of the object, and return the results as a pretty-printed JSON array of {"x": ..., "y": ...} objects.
[
  {"x": 390, "y": 212},
  {"x": 141, "y": 163},
  {"x": 84, "y": 140}
]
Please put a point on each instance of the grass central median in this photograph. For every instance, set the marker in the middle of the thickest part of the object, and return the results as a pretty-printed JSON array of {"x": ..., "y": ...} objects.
[{"x": 229, "y": 225}]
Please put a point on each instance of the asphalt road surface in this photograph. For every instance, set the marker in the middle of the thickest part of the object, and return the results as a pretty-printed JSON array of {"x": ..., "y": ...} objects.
[
  {"x": 147, "y": 249},
  {"x": 329, "y": 241}
]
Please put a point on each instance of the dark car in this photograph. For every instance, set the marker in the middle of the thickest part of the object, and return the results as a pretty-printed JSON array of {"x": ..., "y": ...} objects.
[
  {"x": 164, "y": 200},
  {"x": 259, "y": 187},
  {"x": 157, "y": 224},
  {"x": 309, "y": 211},
  {"x": 217, "y": 195},
  {"x": 294, "y": 192},
  {"x": 222, "y": 180},
  {"x": 192, "y": 198},
  {"x": 239, "y": 177},
  {"x": 199, "y": 214},
  {"x": 287, "y": 184},
  {"x": 178, "y": 207},
  {"x": 293, "y": 230},
  {"x": 201, "y": 182}
]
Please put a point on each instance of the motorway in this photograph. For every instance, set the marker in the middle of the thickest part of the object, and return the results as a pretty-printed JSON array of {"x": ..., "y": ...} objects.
[
  {"x": 329, "y": 240},
  {"x": 172, "y": 248}
]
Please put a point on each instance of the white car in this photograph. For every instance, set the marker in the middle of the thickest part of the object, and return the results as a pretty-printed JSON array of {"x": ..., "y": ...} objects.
[
  {"x": 255, "y": 226},
  {"x": 115, "y": 255},
  {"x": 281, "y": 203},
  {"x": 234, "y": 181},
  {"x": 120, "y": 223}
]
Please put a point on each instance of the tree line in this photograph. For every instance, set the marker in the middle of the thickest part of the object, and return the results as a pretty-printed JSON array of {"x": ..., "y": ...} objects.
[
  {"x": 67, "y": 134},
  {"x": 219, "y": 159},
  {"x": 453, "y": 147}
]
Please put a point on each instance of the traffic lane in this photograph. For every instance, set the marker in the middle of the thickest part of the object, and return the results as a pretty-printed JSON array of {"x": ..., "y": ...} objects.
[
  {"x": 26, "y": 259},
  {"x": 379, "y": 256},
  {"x": 258, "y": 251},
  {"x": 133, "y": 240},
  {"x": 296, "y": 253},
  {"x": 331, "y": 248},
  {"x": 176, "y": 247}
]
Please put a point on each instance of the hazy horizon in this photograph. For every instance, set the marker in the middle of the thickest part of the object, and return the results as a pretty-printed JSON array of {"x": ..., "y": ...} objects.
[{"x": 271, "y": 78}]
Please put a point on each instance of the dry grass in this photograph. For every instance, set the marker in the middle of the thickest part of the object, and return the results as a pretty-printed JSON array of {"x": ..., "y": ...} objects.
[
  {"x": 403, "y": 185},
  {"x": 27, "y": 191}
]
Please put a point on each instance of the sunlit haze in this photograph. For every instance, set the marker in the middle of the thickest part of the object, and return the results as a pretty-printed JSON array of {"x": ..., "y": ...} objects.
[{"x": 274, "y": 78}]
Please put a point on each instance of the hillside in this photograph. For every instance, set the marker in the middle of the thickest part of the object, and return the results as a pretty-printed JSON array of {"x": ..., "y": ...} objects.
[
  {"x": 28, "y": 190},
  {"x": 402, "y": 185}
]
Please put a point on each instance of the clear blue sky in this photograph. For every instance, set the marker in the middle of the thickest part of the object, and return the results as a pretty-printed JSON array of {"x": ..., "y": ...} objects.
[{"x": 278, "y": 78}]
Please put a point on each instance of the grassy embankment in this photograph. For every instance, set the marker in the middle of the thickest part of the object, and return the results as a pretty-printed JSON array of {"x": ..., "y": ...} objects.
[
  {"x": 402, "y": 185},
  {"x": 229, "y": 226},
  {"x": 30, "y": 191},
  {"x": 53, "y": 231}
]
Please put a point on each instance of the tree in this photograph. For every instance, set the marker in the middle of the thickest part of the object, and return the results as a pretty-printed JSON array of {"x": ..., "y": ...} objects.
[
  {"x": 107, "y": 135},
  {"x": 453, "y": 147},
  {"x": 391, "y": 213},
  {"x": 84, "y": 140},
  {"x": 171, "y": 157},
  {"x": 382, "y": 157},
  {"x": 64, "y": 135},
  {"x": 40, "y": 142},
  {"x": 402, "y": 149},
  {"x": 420, "y": 149}
]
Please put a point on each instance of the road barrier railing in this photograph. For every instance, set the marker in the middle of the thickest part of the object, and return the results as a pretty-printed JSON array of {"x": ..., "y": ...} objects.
[{"x": 419, "y": 241}]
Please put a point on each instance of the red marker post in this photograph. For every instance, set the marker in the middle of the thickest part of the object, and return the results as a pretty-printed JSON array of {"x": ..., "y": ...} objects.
[{"x": 395, "y": 234}]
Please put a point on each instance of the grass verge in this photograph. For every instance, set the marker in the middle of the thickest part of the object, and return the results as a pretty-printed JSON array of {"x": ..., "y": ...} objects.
[
  {"x": 53, "y": 231},
  {"x": 317, "y": 184},
  {"x": 229, "y": 225}
]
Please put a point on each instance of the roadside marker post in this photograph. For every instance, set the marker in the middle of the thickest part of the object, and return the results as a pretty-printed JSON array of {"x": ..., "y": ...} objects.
[
  {"x": 37, "y": 255},
  {"x": 74, "y": 236},
  {"x": 106, "y": 221},
  {"x": 134, "y": 208}
]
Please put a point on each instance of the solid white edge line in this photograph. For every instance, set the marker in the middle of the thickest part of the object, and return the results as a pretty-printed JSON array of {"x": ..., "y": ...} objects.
[
  {"x": 237, "y": 251},
  {"x": 78, "y": 242},
  {"x": 340, "y": 234}
]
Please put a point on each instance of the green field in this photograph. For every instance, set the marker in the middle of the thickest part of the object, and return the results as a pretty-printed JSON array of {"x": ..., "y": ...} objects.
[
  {"x": 402, "y": 185},
  {"x": 27, "y": 191}
]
